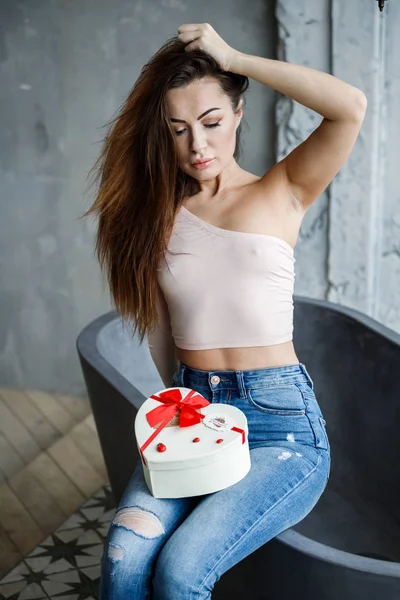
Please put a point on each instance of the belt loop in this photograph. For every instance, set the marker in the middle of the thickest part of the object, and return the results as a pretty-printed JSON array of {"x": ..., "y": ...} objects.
[
  {"x": 182, "y": 369},
  {"x": 241, "y": 384},
  {"x": 306, "y": 373}
]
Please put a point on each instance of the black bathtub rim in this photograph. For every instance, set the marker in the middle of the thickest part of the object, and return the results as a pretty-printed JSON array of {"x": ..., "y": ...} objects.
[
  {"x": 301, "y": 543},
  {"x": 87, "y": 347},
  {"x": 354, "y": 314}
]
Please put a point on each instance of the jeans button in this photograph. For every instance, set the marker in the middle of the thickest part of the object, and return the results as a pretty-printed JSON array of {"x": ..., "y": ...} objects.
[{"x": 215, "y": 379}]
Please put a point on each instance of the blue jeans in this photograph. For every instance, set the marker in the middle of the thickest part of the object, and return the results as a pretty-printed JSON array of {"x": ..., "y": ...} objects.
[{"x": 177, "y": 549}]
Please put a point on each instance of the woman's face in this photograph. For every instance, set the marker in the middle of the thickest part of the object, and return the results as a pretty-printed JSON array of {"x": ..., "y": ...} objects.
[{"x": 204, "y": 127}]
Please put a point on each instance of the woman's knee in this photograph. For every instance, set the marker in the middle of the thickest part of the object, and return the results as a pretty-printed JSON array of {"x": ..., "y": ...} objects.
[
  {"x": 131, "y": 526},
  {"x": 139, "y": 521}
]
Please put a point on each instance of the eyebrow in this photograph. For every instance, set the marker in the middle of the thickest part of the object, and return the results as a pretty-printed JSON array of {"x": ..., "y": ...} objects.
[{"x": 198, "y": 118}]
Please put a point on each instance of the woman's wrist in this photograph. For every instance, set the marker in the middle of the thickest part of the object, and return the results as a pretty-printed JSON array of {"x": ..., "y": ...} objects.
[{"x": 235, "y": 64}]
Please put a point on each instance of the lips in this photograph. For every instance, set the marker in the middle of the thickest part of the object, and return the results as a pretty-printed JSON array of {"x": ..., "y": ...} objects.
[
  {"x": 201, "y": 166},
  {"x": 201, "y": 162}
]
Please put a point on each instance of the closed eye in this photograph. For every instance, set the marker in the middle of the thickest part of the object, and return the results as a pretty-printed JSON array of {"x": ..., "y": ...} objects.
[{"x": 211, "y": 125}]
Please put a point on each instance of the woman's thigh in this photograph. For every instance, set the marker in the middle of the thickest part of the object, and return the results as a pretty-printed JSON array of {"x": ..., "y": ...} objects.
[{"x": 280, "y": 489}]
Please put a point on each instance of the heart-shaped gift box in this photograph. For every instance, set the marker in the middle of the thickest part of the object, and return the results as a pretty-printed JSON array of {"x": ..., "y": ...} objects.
[{"x": 189, "y": 446}]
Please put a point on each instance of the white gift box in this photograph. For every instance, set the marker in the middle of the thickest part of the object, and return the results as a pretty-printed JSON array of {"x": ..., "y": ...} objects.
[{"x": 204, "y": 457}]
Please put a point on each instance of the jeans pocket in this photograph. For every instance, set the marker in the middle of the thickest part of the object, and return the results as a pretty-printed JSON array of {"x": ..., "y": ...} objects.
[
  {"x": 324, "y": 433},
  {"x": 320, "y": 435},
  {"x": 315, "y": 418},
  {"x": 282, "y": 399}
]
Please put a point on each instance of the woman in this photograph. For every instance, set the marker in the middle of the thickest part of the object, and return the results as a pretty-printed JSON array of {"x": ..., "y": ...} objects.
[{"x": 200, "y": 256}]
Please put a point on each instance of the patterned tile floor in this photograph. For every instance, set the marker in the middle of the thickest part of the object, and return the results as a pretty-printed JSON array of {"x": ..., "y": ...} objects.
[{"x": 66, "y": 565}]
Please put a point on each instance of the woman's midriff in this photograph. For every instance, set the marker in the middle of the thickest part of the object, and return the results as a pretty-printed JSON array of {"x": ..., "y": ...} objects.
[{"x": 239, "y": 359}]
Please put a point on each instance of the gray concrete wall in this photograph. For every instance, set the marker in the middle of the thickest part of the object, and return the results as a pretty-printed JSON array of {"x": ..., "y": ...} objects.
[
  {"x": 349, "y": 248},
  {"x": 65, "y": 68}
]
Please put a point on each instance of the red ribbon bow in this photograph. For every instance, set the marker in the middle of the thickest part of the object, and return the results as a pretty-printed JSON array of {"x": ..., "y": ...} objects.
[{"x": 172, "y": 402}]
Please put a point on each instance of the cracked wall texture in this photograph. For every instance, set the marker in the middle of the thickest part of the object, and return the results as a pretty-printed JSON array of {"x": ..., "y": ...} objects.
[{"x": 349, "y": 249}]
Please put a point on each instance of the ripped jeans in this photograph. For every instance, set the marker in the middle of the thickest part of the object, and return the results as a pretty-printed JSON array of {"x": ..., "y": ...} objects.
[{"x": 178, "y": 548}]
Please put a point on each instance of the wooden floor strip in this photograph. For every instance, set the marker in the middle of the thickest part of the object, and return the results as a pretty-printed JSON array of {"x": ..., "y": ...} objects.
[
  {"x": 77, "y": 407},
  {"x": 90, "y": 422},
  {"x": 17, "y": 434},
  {"x": 22, "y": 407},
  {"x": 51, "y": 410},
  {"x": 9, "y": 553},
  {"x": 37, "y": 501},
  {"x": 71, "y": 460},
  {"x": 56, "y": 482},
  {"x": 10, "y": 460},
  {"x": 17, "y": 522},
  {"x": 86, "y": 439}
]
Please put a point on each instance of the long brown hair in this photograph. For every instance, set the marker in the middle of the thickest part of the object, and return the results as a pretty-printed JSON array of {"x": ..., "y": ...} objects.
[{"x": 141, "y": 186}]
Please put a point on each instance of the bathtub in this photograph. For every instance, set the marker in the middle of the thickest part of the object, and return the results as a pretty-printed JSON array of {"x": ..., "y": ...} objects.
[{"x": 348, "y": 547}]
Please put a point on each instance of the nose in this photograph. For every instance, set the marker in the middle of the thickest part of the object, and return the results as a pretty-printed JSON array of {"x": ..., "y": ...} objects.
[{"x": 198, "y": 141}]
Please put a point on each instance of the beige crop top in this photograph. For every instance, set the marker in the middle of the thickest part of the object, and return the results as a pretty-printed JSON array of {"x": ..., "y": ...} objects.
[{"x": 226, "y": 289}]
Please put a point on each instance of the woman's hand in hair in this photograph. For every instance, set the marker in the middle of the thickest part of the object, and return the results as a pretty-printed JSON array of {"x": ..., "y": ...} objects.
[{"x": 202, "y": 36}]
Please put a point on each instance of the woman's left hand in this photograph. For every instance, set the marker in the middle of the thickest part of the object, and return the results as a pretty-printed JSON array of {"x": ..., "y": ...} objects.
[{"x": 202, "y": 36}]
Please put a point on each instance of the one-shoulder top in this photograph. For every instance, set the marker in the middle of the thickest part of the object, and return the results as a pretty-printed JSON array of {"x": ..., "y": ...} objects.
[{"x": 223, "y": 288}]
